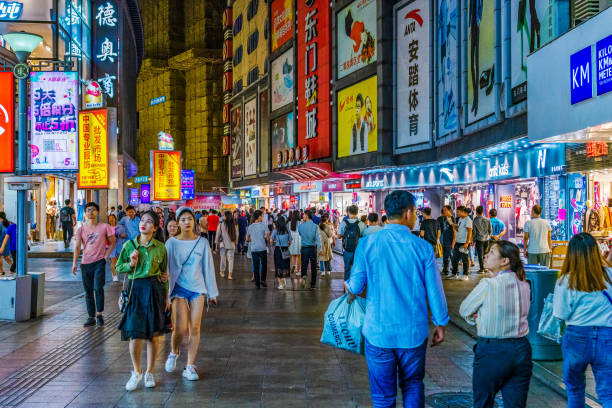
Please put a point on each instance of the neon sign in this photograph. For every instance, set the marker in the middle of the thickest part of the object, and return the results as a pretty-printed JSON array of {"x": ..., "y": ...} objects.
[{"x": 10, "y": 10}]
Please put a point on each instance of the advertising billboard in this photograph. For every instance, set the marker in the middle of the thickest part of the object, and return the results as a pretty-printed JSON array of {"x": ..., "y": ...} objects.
[
  {"x": 166, "y": 175},
  {"x": 283, "y": 140},
  {"x": 54, "y": 101},
  {"x": 313, "y": 77},
  {"x": 448, "y": 67},
  {"x": 134, "y": 196},
  {"x": 93, "y": 149},
  {"x": 187, "y": 184},
  {"x": 250, "y": 137},
  {"x": 205, "y": 202},
  {"x": 106, "y": 47},
  {"x": 358, "y": 118},
  {"x": 264, "y": 133},
  {"x": 236, "y": 138},
  {"x": 481, "y": 60},
  {"x": 356, "y": 32},
  {"x": 7, "y": 123},
  {"x": 145, "y": 194},
  {"x": 413, "y": 103},
  {"x": 282, "y": 22},
  {"x": 282, "y": 80}
]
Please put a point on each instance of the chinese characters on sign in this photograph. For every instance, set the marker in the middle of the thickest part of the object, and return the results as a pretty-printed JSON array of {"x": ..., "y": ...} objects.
[
  {"x": 413, "y": 91},
  {"x": 282, "y": 22},
  {"x": 187, "y": 184},
  {"x": 166, "y": 175},
  {"x": 358, "y": 118},
  {"x": 7, "y": 95},
  {"x": 106, "y": 48},
  {"x": 106, "y": 15},
  {"x": 93, "y": 149},
  {"x": 10, "y": 10},
  {"x": 596, "y": 149},
  {"x": 53, "y": 117}
]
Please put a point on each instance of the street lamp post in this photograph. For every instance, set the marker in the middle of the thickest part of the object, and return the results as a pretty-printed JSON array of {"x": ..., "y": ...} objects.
[{"x": 22, "y": 44}]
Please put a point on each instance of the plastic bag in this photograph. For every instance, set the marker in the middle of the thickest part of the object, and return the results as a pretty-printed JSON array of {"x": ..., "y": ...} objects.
[
  {"x": 550, "y": 327},
  {"x": 343, "y": 323}
]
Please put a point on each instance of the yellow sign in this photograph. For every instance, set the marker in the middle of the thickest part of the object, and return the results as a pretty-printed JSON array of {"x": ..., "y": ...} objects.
[
  {"x": 358, "y": 118},
  {"x": 166, "y": 175},
  {"x": 93, "y": 149}
]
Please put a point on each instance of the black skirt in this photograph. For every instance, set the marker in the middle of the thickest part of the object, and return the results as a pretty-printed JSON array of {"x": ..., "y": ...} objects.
[
  {"x": 145, "y": 316},
  {"x": 281, "y": 265}
]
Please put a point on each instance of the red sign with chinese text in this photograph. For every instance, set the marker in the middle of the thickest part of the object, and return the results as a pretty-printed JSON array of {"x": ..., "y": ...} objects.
[
  {"x": 282, "y": 22},
  {"x": 596, "y": 149},
  {"x": 313, "y": 75},
  {"x": 7, "y": 98}
]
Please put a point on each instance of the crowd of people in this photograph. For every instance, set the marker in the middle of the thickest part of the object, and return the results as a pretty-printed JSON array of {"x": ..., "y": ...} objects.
[{"x": 171, "y": 277}]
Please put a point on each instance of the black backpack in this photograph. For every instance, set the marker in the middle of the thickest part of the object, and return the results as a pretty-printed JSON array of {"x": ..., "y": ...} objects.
[
  {"x": 351, "y": 236},
  {"x": 65, "y": 215}
]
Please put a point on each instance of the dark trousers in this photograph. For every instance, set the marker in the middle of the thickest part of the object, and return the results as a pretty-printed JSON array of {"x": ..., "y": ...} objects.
[
  {"x": 501, "y": 365},
  {"x": 348, "y": 263},
  {"x": 481, "y": 248},
  {"x": 447, "y": 253},
  {"x": 211, "y": 239},
  {"x": 241, "y": 242},
  {"x": 309, "y": 254},
  {"x": 457, "y": 255},
  {"x": 68, "y": 231},
  {"x": 260, "y": 266},
  {"x": 14, "y": 265},
  {"x": 94, "y": 277}
]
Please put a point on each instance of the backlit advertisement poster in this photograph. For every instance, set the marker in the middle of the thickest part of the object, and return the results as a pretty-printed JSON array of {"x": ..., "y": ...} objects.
[
  {"x": 282, "y": 22},
  {"x": 358, "y": 118},
  {"x": 531, "y": 27},
  {"x": 134, "y": 196},
  {"x": 481, "y": 59},
  {"x": 145, "y": 193},
  {"x": 54, "y": 101},
  {"x": 283, "y": 140},
  {"x": 236, "y": 124},
  {"x": 313, "y": 77},
  {"x": 166, "y": 175},
  {"x": 264, "y": 133},
  {"x": 7, "y": 142},
  {"x": 93, "y": 149},
  {"x": 250, "y": 137},
  {"x": 187, "y": 184},
  {"x": 282, "y": 80},
  {"x": 412, "y": 77},
  {"x": 448, "y": 69},
  {"x": 356, "y": 32}
]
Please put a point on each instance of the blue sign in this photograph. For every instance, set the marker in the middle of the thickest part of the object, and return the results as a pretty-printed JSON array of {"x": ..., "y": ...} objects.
[
  {"x": 141, "y": 179},
  {"x": 604, "y": 65},
  {"x": 158, "y": 100},
  {"x": 580, "y": 75},
  {"x": 187, "y": 184},
  {"x": 133, "y": 196},
  {"x": 10, "y": 10},
  {"x": 145, "y": 194}
]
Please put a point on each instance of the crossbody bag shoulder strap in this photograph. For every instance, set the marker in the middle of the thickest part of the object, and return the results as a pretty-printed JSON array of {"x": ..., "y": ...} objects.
[{"x": 191, "y": 252}]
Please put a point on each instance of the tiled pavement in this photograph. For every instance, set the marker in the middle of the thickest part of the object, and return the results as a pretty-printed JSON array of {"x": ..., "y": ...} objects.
[{"x": 258, "y": 348}]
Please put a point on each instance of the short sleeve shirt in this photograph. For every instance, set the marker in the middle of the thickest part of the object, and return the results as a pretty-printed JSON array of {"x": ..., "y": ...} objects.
[
  {"x": 12, "y": 232},
  {"x": 498, "y": 226},
  {"x": 462, "y": 233},
  {"x": 94, "y": 241},
  {"x": 213, "y": 222},
  {"x": 257, "y": 232},
  {"x": 537, "y": 229}
]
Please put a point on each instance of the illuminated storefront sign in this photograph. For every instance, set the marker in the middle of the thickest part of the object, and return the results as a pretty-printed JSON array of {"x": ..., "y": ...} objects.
[
  {"x": 134, "y": 196},
  {"x": 10, "y": 10},
  {"x": 54, "y": 101},
  {"x": 158, "y": 100},
  {"x": 141, "y": 179},
  {"x": 93, "y": 149},
  {"x": 165, "y": 141},
  {"x": 106, "y": 47},
  {"x": 93, "y": 95},
  {"x": 596, "y": 149},
  {"x": 166, "y": 175},
  {"x": 282, "y": 22},
  {"x": 7, "y": 95},
  {"x": 187, "y": 184},
  {"x": 145, "y": 194}
]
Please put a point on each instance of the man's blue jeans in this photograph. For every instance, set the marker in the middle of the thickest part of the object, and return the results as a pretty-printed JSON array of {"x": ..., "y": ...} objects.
[
  {"x": 584, "y": 345},
  {"x": 348, "y": 263},
  {"x": 387, "y": 365}
]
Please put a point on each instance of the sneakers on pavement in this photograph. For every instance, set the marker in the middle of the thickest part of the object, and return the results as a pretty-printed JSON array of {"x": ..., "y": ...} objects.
[
  {"x": 132, "y": 384},
  {"x": 115, "y": 278},
  {"x": 281, "y": 286},
  {"x": 100, "y": 320},
  {"x": 190, "y": 373},
  {"x": 89, "y": 322},
  {"x": 171, "y": 362},
  {"x": 149, "y": 381},
  {"x": 465, "y": 277}
]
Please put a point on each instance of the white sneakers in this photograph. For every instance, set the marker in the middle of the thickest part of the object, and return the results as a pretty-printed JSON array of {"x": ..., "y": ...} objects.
[
  {"x": 190, "y": 373},
  {"x": 115, "y": 278},
  {"x": 132, "y": 384},
  {"x": 171, "y": 362},
  {"x": 149, "y": 381}
]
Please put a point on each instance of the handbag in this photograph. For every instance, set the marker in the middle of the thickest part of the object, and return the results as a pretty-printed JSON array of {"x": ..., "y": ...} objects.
[
  {"x": 190, "y": 252},
  {"x": 124, "y": 296},
  {"x": 550, "y": 327},
  {"x": 438, "y": 251}
]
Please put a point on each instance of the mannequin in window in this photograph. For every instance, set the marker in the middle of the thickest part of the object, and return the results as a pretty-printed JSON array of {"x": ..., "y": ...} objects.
[{"x": 590, "y": 218}]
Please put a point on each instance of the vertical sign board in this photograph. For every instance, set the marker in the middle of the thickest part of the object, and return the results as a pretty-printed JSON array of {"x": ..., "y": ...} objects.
[
  {"x": 145, "y": 194},
  {"x": 313, "y": 77},
  {"x": 54, "y": 101},
  {"x": 481, "y": 60},
  {"x": 282, "y": 80},
  {"x": 106, "y": 47},
  {"x": 580, "y": 75},
  {"x": 356, "y": 35},
  {"x": 447, "y": 35},
  {"x": 236, "y": 140},
  {"x": 264, "y": 133},
  {"x": 282, "y": 22},
  {"x": 93, "y": 149},
  {"x": 358, "y": 118},
  {"x": 166, "y": 175},
  {"x": 604, "y": 65},
  {"x": 134, "y": 196},
  {"x": 7, "y": 96},
  {"x": 187, "y": 184},
  {"x": 412, "y": 51},
  {"x": 250, "y": 137}
]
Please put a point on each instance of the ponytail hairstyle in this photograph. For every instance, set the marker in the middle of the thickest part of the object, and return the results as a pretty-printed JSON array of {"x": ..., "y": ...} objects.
[
  {"x": 509, "y": 250},
  {"x": 230, "y": 225},
  {"x": 158, "y": 234}
]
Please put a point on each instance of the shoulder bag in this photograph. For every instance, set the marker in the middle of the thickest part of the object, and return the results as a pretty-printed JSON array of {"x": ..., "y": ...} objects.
[
  {"x": 124, "y": 296},
  {"x": 190, "y": 252},
  {"x": 550, "y": 327}
]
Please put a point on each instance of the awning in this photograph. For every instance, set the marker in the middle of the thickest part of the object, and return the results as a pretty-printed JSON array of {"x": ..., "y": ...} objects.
[{"x": 310, "y": 171}]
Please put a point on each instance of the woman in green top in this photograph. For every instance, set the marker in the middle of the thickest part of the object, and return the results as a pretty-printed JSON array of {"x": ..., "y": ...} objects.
[{"x": 145, "y": 261}]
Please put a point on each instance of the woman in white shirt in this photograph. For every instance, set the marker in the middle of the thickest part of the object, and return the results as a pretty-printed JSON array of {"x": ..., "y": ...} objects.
[
  {"x": 191, "y": 272},
  {"x": 296, "y": 246},
  {"x": 499, "y": 306},
  {"x": 226, "y": 238},
  {"x": 583, "y": 299}
]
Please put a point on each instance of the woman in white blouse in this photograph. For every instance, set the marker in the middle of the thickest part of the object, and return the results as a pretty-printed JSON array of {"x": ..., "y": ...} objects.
[
  {"x": 583, "y": 299},
  {"x": 499, "y": 306}
]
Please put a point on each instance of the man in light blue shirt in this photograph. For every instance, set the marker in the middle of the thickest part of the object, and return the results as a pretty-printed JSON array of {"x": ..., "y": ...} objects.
[
  {"x": 257, "y": 237},
  {"x": 311, "y": 246},
  {"x": 131, "y": 223},
  {"x": 403, "y": 280},
  {"x": 372, "y": 224}
]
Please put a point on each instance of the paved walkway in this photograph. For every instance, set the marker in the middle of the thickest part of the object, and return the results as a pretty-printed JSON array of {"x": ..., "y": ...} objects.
[{"x": 258, "y": 349}]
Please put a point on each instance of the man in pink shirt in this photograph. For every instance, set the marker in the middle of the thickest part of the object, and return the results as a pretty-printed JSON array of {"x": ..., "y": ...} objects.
[{"x": 93, "y": 235}]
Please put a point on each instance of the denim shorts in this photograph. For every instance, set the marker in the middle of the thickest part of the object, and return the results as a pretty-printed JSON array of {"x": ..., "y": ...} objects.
[{"x": 180, "y": 292}]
